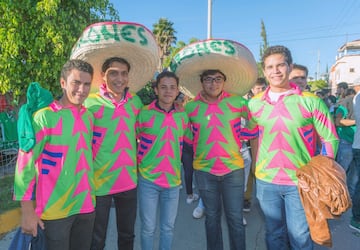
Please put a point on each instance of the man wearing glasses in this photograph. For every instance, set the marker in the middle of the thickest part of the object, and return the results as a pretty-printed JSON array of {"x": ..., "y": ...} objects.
[
  {"x": 220, "y": 177},
  {"x": 227, "y": 72}
]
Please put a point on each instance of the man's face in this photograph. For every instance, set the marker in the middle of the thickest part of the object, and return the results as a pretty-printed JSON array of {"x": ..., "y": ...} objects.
[
  {"x": 76, "y": 87},
  {"x": 116, "y": 78},
  {"x": 258, "y": 89},
  {"x": 340, "y": 92},
  {"x": 298, "y": 77},
  {"x": 167, "y": 91},
  {"x": 213, "y": 85},
  {"x": 276, "y": 70}
]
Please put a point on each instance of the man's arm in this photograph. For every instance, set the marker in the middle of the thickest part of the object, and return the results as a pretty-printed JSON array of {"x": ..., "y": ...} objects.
[
  {"x": 347, "y": 122},
  {"x": 254, "y": 150},
  {"x": 29, "y": 219}
]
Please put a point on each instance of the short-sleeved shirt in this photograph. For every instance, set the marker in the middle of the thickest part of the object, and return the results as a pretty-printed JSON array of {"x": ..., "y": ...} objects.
[
  {"x": 345, "y": 132},
  {"x": 58, "y": 171}
]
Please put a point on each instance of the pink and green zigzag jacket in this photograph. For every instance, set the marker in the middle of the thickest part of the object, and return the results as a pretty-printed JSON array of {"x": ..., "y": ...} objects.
[
  {"x": 288, "y": 130},
  {"x": 114, "y": 142},
  {"x": 217, "y": 131},
  {"x": 161, "y": 135},
  {"x": 58, "y": 171}
]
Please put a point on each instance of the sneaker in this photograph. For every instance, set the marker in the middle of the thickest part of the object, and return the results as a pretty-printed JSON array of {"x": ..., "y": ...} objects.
[
  {"x": 355, "y": 225},
  {"x": 191, "y": 198},
  {"x": 247, "y": 205},
  {"x": 244, "y": 221},
  {"x": 198, "y": 213}
]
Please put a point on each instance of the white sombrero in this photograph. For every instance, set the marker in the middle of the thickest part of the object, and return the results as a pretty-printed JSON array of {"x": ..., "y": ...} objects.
[
  {"x": 131, "y": 41},
  {"x": 232, "y": 58}
]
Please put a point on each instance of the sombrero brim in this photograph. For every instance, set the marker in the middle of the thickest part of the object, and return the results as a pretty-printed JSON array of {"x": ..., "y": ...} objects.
[
  {"x": 232, "y": 58},
  {"x": 131, "y": 41}
]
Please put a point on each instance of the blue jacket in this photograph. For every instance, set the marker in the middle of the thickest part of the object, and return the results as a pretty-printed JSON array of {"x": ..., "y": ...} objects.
[{"x": 23, "y": 241}]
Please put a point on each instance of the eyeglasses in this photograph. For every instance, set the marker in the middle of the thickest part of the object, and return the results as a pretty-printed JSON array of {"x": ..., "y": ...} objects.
[
  {"x": 298, "y": 78},
  {"x": 217, "y": 79}
]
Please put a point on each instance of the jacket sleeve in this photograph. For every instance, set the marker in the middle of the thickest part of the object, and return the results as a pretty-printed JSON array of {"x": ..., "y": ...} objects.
[
  {"x": 326, "y": 130},
  {"x": 28, "y": 165}
]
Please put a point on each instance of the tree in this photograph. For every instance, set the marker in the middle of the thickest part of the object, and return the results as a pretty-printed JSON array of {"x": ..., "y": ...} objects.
[
  {"x": 147, "y": 93},
  {"x": 174, "y": 50},
  {"x": 36, "y": 38},
  {"x": 165, "y": 36},
  {"x": 317, "y": 85},
  {"x": 263, "y": 35},
  {"x": 263, "y": 47}
]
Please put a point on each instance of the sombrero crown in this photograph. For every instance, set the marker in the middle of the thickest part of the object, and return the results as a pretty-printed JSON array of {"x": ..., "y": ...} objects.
[
  {"x": 232, "y": 58},
  {"x": 131, "y": 41}
]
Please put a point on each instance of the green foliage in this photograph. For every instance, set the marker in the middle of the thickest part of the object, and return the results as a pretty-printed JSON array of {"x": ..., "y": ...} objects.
[
  {"x": 36, "y": 38},
  {"x": 318, "y": 84},
  {"x": 165, "y": 36},
  {"x": 260, "y": 71},
  {"x": 147, "y": 94},
  {"x": 6, "y": 192},
  {"x": 174, "y": 50},
  {"x": 265, "y": 43}
]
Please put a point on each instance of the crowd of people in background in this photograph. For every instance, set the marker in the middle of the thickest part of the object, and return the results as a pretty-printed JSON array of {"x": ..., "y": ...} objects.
[{"x": 94, "y": 150}]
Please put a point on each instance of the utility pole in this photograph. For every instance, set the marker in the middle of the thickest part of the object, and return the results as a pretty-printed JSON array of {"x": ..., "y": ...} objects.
[
  {"x": 318, "y": 66},
  {"x": 209, "y": 34}
]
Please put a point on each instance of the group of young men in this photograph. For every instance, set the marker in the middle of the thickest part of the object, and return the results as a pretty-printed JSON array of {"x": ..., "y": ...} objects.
[{"x": 95, "y": 149}]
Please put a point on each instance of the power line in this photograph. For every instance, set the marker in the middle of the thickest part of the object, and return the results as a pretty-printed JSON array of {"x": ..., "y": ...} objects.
[{"x": 316, "y": 37}]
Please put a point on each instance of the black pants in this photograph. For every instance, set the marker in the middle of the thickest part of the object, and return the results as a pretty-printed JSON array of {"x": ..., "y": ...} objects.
[
  {"x": 125, "y": 207},
  {"x": 187, "y": 161},
  {"x": 72, "y": 233}
]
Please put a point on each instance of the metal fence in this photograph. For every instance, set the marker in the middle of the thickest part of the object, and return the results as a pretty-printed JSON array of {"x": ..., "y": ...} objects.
[
  {"x": 8, "y": 140},
  {"x": 8, "y": 156}
]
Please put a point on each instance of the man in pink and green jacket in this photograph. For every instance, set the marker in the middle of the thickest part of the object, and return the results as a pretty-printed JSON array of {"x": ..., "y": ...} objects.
[{"x": 57, "y": 172}]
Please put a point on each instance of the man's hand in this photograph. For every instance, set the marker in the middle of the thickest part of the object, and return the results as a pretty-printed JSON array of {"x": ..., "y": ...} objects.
[{"x": 29, "y": 219}]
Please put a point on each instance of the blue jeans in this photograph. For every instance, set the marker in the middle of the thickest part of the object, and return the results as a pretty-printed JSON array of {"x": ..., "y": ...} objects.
[
  {"x": 285, "y": 221},
  {"x": 355, "y": 182},
  {"x": 353, "y": 172},
  {"x": 152, "y": 197},
  {"x": 227, "y": 190},
  {"x": 344, "y": 155},
  {"x": 125, "y": 209},
  {"x": 245, "y": 153}
]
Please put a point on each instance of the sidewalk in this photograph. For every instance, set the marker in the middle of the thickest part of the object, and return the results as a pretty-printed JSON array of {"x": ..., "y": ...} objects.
[{"x": 190, "y": 233}]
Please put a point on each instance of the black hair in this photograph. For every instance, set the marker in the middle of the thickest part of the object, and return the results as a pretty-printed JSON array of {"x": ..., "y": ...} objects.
[
  {"x": 343, "y": 85},
  {"x": 261, "y": 81},
  {"x": 76, "y": 64},
  {"x": 301, "y": 67},
  {"x": 165, "y": 74},
  {"x": 277, "y": 49},
  {"x": 110, "y": 60},
  {"x": 211, "y": 72}
]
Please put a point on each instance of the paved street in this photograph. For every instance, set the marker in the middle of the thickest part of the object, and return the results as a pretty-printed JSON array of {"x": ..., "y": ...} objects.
[{"x": 190, "y": 235}]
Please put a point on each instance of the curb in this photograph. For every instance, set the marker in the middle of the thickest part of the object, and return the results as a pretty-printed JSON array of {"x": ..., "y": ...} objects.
[{"x": 9, "y": 220}]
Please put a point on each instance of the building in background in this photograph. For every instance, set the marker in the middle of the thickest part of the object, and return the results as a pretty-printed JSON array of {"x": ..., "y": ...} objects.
[{"x": 347, "y": 65}]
